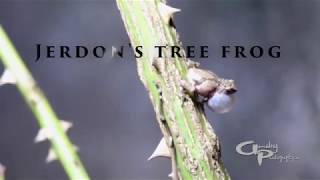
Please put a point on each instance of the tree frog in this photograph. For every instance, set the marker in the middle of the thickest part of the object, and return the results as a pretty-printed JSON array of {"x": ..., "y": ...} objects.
[{"x": 208, "y": 88}]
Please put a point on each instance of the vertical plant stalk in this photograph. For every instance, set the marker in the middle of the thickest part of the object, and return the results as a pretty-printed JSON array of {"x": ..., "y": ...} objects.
[
  {"x": 194, "y": 145},
  {"x": 2, "y": 172},
  {"x": 41, "y": 108}
]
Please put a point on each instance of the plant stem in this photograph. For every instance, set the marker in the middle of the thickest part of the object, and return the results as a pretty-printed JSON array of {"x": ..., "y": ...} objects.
[
  {"x": 2, "y": 172},
  {"x": 41, "y": 108},
  {"x": 196, "y": 149}
]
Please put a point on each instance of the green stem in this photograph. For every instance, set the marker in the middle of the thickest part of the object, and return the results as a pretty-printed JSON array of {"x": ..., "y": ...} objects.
[
  {"x": 41, "y": 108},
  {"x": 2, "y": 172},
  {"x": 196, "y": 149}
]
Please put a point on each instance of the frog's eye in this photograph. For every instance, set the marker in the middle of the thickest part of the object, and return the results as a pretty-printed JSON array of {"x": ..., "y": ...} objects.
[{"x": 231, "y": 91}]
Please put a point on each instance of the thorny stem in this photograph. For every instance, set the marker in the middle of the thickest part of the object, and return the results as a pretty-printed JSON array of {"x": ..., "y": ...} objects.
[
  {"x": 196, "y": 149},
  {"x": 41, "y": 108},
  {"x": 2, "y": 172}
]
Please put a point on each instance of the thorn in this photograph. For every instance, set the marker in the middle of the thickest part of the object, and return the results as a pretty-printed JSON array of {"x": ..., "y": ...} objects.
[
  {"x": 2, "y": 170},
  {"x": 52, "y": 156},
  {"x": 76, "y": 148},
  {"x": 162, "y": 150},
  {"x": 44, "y": 133},
  {"x": 66, "y": 125},
  {"x": 116, "y": 51},
  {"x": 167, "y": 12},
  {"x": 7, "y": 78},
  {"x": 113, "y": 51}
]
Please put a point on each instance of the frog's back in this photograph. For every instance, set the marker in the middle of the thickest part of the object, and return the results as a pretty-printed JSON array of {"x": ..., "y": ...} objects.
[{"x": 199, "y": 75}]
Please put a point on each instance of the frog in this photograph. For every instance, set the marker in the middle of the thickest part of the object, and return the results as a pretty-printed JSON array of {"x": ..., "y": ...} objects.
[{"x": 208, "y": 88}]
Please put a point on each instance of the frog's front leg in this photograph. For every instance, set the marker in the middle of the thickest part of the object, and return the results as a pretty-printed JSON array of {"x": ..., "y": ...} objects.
[{"x": 188, "y": 87}]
